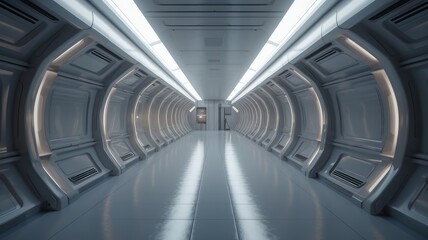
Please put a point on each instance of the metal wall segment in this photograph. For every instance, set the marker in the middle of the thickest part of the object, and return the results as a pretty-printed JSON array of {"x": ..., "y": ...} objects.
[
  {"x": 73, "y": 108},
  {"x": 22, "y": 44},
  {"x": 183, "y": 116},
  {"x": 351, "y": 113},
  {"x": 399, "y": 43},
  {"x": 169, "y": 119},
  {"x": 249, "y": 121},
  {"x": 63, "y": 114},
  {"x": 162, "y": 118},
  {"x": 141, "y": 113},
  {"x": 269, "y": 116},
  {"x": 251, "y": 124},
  {"x": 176, "y": 117},
  {"x": 152, "y": 119},
  {"x": 290, "y": 112},
  {"x": 254, "y": 125},
  {"x": 173, "y": 117},
  {"x": 351, "y": 110},
  {"x": 139, "y": 141},
  {"x": 275, "y": 112},
  {"x": 263, "y": 117}
]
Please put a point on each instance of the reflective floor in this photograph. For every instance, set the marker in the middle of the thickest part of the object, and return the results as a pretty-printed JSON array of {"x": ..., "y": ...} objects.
[{"x": 210, "y": 185}]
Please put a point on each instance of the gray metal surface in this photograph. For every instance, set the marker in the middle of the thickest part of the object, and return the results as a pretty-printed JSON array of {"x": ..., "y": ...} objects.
[
  {"x": 345, "y": 105},
  {"x": 210, "y": 192}
]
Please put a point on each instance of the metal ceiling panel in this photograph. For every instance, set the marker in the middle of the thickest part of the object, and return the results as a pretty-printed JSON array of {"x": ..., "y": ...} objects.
[{"x": 214, "y": 42}]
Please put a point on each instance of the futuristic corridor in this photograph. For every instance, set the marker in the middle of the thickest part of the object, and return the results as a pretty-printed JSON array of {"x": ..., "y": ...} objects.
[{"x": 214, "y": 119}]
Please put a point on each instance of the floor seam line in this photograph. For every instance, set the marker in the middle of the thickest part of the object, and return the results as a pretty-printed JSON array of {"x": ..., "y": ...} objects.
[
  {"x": 230, "y": 194},
  {"x": 199, "y": 189}
]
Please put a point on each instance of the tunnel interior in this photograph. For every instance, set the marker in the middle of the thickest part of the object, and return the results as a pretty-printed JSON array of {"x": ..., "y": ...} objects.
[{"x": 346, "y": 105}]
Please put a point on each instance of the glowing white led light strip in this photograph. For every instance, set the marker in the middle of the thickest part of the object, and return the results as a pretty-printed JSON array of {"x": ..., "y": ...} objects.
[
  {"x": 297, "y": 15},
  {"x": 59, "y": 60},
  {"x": 129, "y": 13}
]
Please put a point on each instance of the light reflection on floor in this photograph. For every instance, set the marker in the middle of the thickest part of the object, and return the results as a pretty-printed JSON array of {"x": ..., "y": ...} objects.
[
  {"x": 189, "y": 185},
  {"x": 210, "y": 185},
  {"x": 239, "y": 189}
]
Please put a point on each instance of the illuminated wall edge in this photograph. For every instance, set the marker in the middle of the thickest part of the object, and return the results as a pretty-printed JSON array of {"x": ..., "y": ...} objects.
[
  {"x": 89, "y": 18},
  {"x": 334, "y": 19}
]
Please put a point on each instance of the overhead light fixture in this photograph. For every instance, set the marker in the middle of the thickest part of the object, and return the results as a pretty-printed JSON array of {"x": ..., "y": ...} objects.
[
  {"x": 234, "y": 108},
  {"x": 129, "y": 13},
  {"x": 193, "y": 108},
  {"x": 163, "y": 54},
  {"x": 295, "y": 17}
]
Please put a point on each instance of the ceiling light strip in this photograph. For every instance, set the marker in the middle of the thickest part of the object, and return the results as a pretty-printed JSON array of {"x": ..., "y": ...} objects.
[
  {"x": 297, "y": 15},
  {"x": 343, "y": 12},
  {"x": 129, "y": 13},
  {"x": 91, "y": 18}
]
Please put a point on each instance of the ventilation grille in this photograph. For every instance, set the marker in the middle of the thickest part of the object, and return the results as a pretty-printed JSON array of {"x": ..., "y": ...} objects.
[
  {"x": 300, "y": 157},
  {"x": 127, "y": 156},
  {"x": 40, "y": 10},
  {"x": 138, "y": 75},
  {"x": 98, "y": 54},
  {"x": 326, "y": 55},
  {"x": 274, "y": 88},
  {"x": 347, "y": 178},
  {"x": 15, "y": 11},
  {"x": 411, "y": 13},
  {"x": 84, "y": 175},
  {"x": 285, "y": 74},
  {"x": 389, "y": 9}
]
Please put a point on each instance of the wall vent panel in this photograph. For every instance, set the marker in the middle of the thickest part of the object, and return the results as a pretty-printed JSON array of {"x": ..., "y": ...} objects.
[
  {"x": 127, "y": 156},
  {"x": 75, "y": 164},
  {"x": 17, "y": 26},
  {"x": 334, "y": 60},
  {"x": 93, "y": 61},
  {"x": 40, "y": 10},
  {"x": 347, "y": 178},
  {"x": 17, "y": 12},
  {"x": 389, "y": 9},
  {"x": 408, "y": 15},
  {"x": 353, "y": 170},
  {"x": 326, "y": 55},
  {"x": 83, "y": 175},
  {"x": 101, "y": 56},
  {"x": 413, "y": 22}
]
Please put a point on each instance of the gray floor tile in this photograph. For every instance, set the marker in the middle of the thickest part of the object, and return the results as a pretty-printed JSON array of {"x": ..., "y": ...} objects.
[
  {"x": 204, "y": 186},
  {"x": 135, "y": 229},
  {"x": 214, "y": 230},
  {"x": 296, "y": 229},
  {"x": 214, "y": 211}
]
